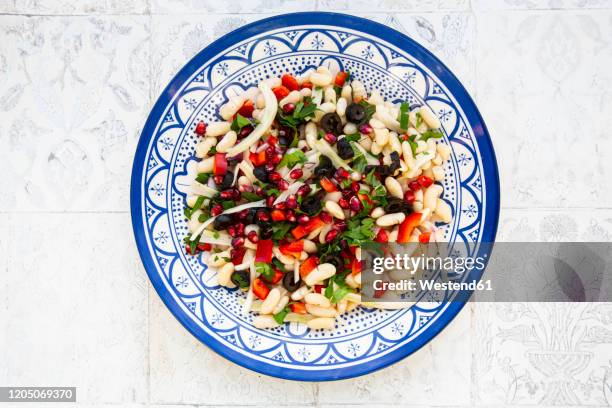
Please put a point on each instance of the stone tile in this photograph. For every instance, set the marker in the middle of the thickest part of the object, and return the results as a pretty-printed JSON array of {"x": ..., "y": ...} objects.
[
  {"x": 234, "y": 7},
  {"x": 185, "y": 371},
  {"x": 442, "y": 364},
  {"x": 74, "y": 96},
  {"x": 449, "y": 36},
  {"x": 546, "y": 99},
  {"x": 539, "y": 4},
  {"x": 63, "y": 7},
  {"x": 392, "y": 5},
  {"x": 77, "y": 306}
]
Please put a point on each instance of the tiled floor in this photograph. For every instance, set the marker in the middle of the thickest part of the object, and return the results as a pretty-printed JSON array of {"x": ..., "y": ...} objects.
[{"x": 77, "y": 80}]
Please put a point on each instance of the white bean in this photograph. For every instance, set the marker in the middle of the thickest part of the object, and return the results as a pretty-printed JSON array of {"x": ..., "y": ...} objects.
[
  {"x": 347, "y": 93},
  {"x": 251, "y": 227},
  {"x": 417, "y": 205},
  {"x": 231, "y": 107},
  {"x": 356, "y": 176},
  {"x": 320, "y": 273},
  {"x": 224, "y": 275},
  {"x": 375, "y": 98},
  {"x": 326, "y": 323},
  {"x": 334, "y": 209},
  {"x": 341, "y": 106},
  {"x": 317, "y": 299},
  {"x": 381, "y": 136},
  {"x": 333, "y": 196},
  {"x": 438, "y": 173},
  {"x": 431, "y": 195},
  {"x": 390, "y": 219},
  {"x": 270, "y": 301},
  {"x": 377, "y": 212},
  {"x": 310, "y": 246},
  {"x": 243, "y": 181},
  {"x": 227, "y": 141},
  {"x": 376, "y": 124},
  {"x": 407, "y": 154},
  {"x": 215, "y": 129},
  {"x": 320, "y": 79},
  {"x": 260, "y": 103},
  {"x": 366, "y": 143},
  {"x": 443, "y": 211},
  {"x": 300, "y": 293},
  {"x": 393, "y": 235},
  {"x": 394, "y": 187},
  {"x": 319, "y": 311},
  {"x": 394, "y": 142},
  {"x": 330, "y": 94},
  {"x": 281, "y": 304},
  {"x": 257, "y": 113},
  {"x": 341, "y": 306},
  {"x": 264, "y": 322},
  {"x": 350, "y": 281},
  {"x": 359, "y": 91},
  {"x": 444, "y": 151},
  {"x": 293, "y": 97},
  {"x": 206, "y": 165},
  {"x": 322, "y": 232},
  {"x": 429, "y": 117},
  {"x": 350, "y": 128},
  {"x": 375, "y": 148},
  {"x": 306, "y": 92},
  {"x": 204, "y": 147}
]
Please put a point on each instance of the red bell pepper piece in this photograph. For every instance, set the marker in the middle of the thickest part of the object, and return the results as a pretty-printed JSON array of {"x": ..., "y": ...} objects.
[
  {"x": 355, "y": 267},
  {"x": 238, "y": 255},
  {"x": 280, "y": 92},
  {"x": 258, "y": 159},
  {"x": 290, "y": 82},
  {"x": 278, "y": 275},
  {"x": 204, "y": 247},
  {"x": 260, "y": 289},
  {"x": 294, "y": 248},
  {"x": 407, "y": 227},
  {"x": 220, "y": 164},
  {"x": 247, "y": 109},
  {"x": 264, "y": 251},
  {"x": 425, "y": 181},
  {"x": 340, "y": 78},
  {"x": 298, "y": 307},
  {"x": 302, "y": 230},
  {"x": 328, "y": 185},
  {"x": 308, "y": 266},
  {"x": 278, "y": 215},
  {"x": 382, "y": 236},
  {"x": 424, "y": 237}
]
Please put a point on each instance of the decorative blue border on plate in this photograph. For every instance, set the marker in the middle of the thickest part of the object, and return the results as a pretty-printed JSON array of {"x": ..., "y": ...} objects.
[{"x": 489, "y": 169}]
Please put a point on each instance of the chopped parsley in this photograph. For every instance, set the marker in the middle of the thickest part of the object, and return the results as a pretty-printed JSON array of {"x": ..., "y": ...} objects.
[
  {"x": 203, "y": 177},
  {"x": 280, "y": 230},
  {"x": 354, "y": 137},
  {"x": 280, "y": 316},
  {"x": 291, "y": 159},
  {"x": 436, "y": 134},
  {"x": 264, "y": 269},
  {"x": 303, "y": 110},
  {"x": 403, "y": 116},
  {"x": 369, "y": 111},
  {"x": 239, "y": 123},
  {"x": 278, "y": 264},
  {"x": 359, "y": 231},
  {"x": 250, "y": 197}
]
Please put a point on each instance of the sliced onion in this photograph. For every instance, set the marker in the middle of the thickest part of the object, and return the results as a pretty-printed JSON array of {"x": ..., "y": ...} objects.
[
  {"x": 267, "y": 117},
  {"x": 255, "y": 204},
  {"x": 201, "y": 189},
  {"x": 247, "y": 169},
  {"x": 246, "y": 261},
  {"x": 369, "y": 158},
  {"x": 293, "y": 188},
  {"x": 236, "y": 170},
  {"x": 209, "y": 239}
]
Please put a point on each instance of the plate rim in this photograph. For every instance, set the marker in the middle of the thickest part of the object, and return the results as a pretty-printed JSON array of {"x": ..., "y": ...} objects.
[{"x": 375, "y": 29}]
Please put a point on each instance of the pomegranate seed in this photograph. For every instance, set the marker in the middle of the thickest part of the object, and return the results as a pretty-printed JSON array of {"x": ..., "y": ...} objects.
[
  {"x": 343, "y": 203},
  {"x": 409, "y": 196},
  {"x": 331, "y": 235},
  {"x": 296, "y": 174},
  {"x": 252, "y": 236},
  {"x": 231, "y": 230},
  {"x": 280, "y": 206},
  {"x": 270, "y": 201},
  {"x": 262, "y": 215},
  {"x": 366, "y": 129},
  {"x": 200, "y": 128},
  {"x": 340, "y": 225},
  {"x": 242, "y": 214},
  {"x": 355, "y": 187},
  {"x": 218, "y": 179},
  {"x": 274, "y": 176},
  {"x": 347, "y": 194},
  {"x": 304, "y": 190},
  {"x": 303, "y": 219},
  {"x": 425, "y": 181},
  {"x": 290, "y": 216},
  {"x": 330, "y": 138},
  {"x": 237, "y": 254},
  {"x": 414, "y": 186},
  {"x": 283, "y": 185},
  {"x": 277, "y": 158},
  {"x": 216, "y": 210},
  {"x": 269, "y": 167},
  {"x": 227, "y": 194},
  {"x": 270, "y": 152},
  {"x": 240, "y": 229},
  {"x": 288, "y": 108},
  {"x": 355, "y": 204},
  {"x": 342, "y": 174},
  {"x": 258, "y": 190},
  {"x": 237, "y": 242},
  {"x": 291, "y": 202},
  {"x": 246, "y": 131},
  {"x": 246, "y": 188},
  {"x": 326, "y": 218}
]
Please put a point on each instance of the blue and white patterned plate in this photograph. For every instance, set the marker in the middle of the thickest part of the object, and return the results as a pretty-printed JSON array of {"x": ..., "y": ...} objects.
[{"x": 380, "y": 57}]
